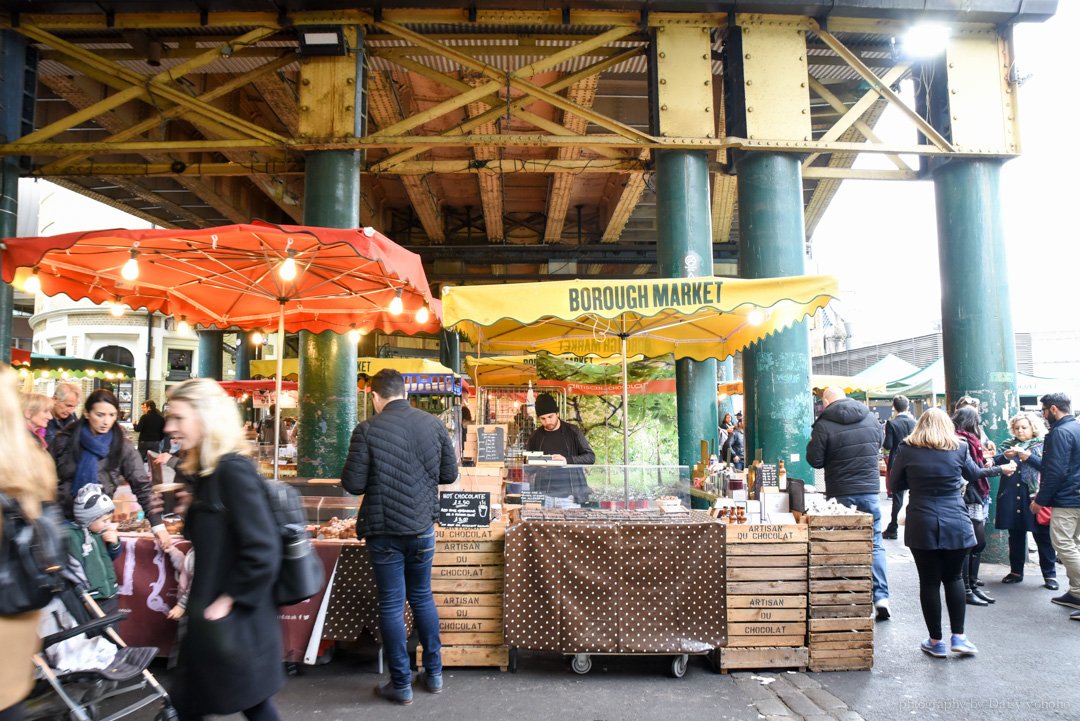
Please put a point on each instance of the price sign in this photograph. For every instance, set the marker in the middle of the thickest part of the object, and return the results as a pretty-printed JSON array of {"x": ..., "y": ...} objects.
[{"x": 462, "y": 509}]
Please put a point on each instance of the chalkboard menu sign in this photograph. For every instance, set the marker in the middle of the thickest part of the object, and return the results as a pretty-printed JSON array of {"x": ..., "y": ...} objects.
[
  {"x": 461, "y": 509},
  {"x": 490, "y": 444},
  {"x": 768, "y": 479}
]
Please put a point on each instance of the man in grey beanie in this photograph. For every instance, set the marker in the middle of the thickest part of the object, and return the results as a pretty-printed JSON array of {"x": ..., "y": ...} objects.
[{"x": 562, "y": 441}]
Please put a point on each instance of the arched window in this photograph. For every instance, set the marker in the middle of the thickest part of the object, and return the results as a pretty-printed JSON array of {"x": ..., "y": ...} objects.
[{"x": 115, "y": 354}]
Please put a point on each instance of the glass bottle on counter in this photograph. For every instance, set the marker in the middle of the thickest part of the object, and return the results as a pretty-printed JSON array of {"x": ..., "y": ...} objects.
[{"x": 781, "y": 475}]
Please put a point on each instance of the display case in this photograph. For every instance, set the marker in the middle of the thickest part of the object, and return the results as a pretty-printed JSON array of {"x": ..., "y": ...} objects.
[
  {"x": 321, "y": 509},
  {"x": 608, "y": 487}
]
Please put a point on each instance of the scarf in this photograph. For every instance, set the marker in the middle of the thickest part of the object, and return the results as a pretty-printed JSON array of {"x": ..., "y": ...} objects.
[
  {"x": 975, "y": 450},
  {"x": 94, "y": 448}
]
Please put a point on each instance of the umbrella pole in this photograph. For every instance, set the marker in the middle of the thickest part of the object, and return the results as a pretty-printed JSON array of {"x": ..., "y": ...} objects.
[
  {"x": 277, "y": 386},
  {"x": 625, "y": 424}
]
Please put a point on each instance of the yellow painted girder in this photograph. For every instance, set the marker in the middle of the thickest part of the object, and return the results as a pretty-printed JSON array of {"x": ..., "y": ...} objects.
[
  {"x": 178, "y": 111},
  {"x": 514, "y": 81},
  {"x": 552, "y": 18},
  {"x": 517, "y": 107},
  {"x": 166, "y": 169},
  {"x": 139, "y": 85},
  {"x": 511, "y": 140},
  {"x": 498, "y": 79}
]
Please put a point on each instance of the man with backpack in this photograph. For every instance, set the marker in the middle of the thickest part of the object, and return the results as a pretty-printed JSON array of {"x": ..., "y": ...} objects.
[{"x": 397, "y": 460}]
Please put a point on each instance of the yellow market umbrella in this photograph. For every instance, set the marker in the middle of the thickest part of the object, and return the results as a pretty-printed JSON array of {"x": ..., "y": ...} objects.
[
  {"x": 698, "y": 318},
  {"x": 290, "y": 367}
]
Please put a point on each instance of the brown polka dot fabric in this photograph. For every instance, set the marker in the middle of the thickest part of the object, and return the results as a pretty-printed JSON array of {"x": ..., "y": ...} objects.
[
  {"x": 586, "y": 581},
  {"x": 354, "y": 600}
]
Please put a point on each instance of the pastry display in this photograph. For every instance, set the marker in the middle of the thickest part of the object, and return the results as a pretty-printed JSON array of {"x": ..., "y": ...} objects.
[{"x": 336, "y": 528}]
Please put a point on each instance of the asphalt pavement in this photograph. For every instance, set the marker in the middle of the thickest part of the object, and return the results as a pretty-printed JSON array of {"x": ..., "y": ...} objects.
[{"x": 1027, "y": 668}]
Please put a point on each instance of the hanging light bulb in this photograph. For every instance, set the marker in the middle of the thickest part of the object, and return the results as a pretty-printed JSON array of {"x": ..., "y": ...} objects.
[
  {"x": 116, "y": 310},
  {"x": 369, "y": 231},
  {"x": 130, "y": 271},
  {"x": 287, "y": 269},
  {"x": 756, "y": 317},
  {"x": 257, "y": 338},
  {"x": 355, "y": 334},
  {"x": 396, "y": 305},
  {"x": 32, "y": 285},
  {"x": 422, "y": 315},
  {"x": 183, "y": 327}
]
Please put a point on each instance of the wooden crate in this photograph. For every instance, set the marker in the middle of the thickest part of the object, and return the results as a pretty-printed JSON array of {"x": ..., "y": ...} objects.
[
  {"x": 767, "y": 585},
  {"x": 841, "y": 608},
  {"x": 731, "y": 659},
  {"x": 467, "y": 582}
]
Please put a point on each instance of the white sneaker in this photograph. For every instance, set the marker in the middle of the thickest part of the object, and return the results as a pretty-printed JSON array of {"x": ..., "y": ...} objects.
[{"x": 881, "y": 610}]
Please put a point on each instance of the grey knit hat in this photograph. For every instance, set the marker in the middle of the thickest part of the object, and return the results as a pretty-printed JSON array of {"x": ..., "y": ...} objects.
[{"x": 91, "y": 503}]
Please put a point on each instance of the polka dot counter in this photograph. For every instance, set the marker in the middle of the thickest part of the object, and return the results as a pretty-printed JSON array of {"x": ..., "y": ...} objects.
[{"x": 580, "y": 581}]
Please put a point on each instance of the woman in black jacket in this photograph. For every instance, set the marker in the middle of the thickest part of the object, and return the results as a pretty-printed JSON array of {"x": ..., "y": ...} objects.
[
  {"x": 231, "y": 657},
  {"x": 94, "y": 449},
  {"x": 932, "y": 464}
]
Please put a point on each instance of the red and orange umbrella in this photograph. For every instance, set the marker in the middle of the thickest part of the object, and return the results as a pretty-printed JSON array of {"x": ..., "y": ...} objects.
[{"x": 246, "y": 276}]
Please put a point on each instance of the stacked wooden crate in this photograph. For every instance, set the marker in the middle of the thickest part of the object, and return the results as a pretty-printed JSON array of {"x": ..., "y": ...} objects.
[
  {"x": 480, "y": 479},
  {"x": 467, "y": 582},
  {"x": 766, "y": 597},
  {"x": 841, "y": 593}
]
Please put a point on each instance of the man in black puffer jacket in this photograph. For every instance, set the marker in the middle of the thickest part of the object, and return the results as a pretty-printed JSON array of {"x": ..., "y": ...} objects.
[
  {"x": 845, "y": 441},
  {"x": 397, "y": 460}
]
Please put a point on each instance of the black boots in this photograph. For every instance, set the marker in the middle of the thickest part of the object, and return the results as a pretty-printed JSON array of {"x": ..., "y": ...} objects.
[
  {"x": 890, "y": 532},
  {"x": 981, "y": 594}
]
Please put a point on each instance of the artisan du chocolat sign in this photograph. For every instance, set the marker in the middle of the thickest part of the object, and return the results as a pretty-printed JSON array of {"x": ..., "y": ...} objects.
[
  {"x": 464, "y": 509},
  {"x": 644, "y": 296}
]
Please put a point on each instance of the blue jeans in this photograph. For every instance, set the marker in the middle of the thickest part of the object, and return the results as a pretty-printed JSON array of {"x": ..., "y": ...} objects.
[
  {"x": 871, "y": 503},
  {"x": 402, "y": 566}
]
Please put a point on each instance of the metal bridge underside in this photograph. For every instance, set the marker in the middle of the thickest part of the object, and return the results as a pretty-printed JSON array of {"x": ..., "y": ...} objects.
[{"x": 498, "y": 144}]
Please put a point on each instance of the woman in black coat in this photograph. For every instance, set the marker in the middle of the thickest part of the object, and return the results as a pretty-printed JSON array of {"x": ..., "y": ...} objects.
[
  {"x": 1014, "y": 499},
  {"x": 932, "y": 464},
  {"x": 231, "y": 657}
]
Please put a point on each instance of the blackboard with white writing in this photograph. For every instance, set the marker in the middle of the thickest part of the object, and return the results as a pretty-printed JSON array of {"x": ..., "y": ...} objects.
[
  {"x": 490, "y": 444},
  {"x": 464, "y": 509}
]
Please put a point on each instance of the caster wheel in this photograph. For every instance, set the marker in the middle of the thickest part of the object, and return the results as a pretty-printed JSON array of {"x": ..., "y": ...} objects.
[
  {"x": 581, "y": 664},
  {"x": 167, "y": 714},
  {"x": 678, "y": 666},
  {"x": 512, "y": 662}
]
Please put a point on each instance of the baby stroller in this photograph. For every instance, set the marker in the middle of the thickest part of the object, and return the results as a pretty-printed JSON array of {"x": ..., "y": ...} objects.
[{"x": 78, "y": 631}]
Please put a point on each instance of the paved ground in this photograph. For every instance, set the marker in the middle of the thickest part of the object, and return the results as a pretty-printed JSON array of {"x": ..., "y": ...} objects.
[{"x": 1027, "y": 668}]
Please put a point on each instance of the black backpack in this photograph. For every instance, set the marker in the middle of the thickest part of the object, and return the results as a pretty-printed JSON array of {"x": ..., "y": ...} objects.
[
  {"x": 302, "y": 574},
  {"x": 32, "y": 553}
]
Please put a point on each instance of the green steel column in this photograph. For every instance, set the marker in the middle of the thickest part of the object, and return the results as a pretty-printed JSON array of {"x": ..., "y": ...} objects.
[
  {"x": 9, "y": 206},
  {"x": 776, "y": 370},
  {"x": 245, "y": 353},
  {"x": 328, "y": 359},
  {"x": 684, "y": 250},
  {"x": 211, "y": 347},
  {"x": 13, "y": 110},
  {"x": 976, "y": 316},
  {"x": 450, "y": 350}
]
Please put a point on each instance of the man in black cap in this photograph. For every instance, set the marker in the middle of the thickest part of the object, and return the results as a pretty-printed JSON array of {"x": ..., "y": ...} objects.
[{"x": 562, "y": 441}]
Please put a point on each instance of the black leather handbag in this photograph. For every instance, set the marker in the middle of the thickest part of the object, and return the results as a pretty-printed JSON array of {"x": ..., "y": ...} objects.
[
  {"x": 31, "y": 557},
  {"x": 302, "y": 574}
]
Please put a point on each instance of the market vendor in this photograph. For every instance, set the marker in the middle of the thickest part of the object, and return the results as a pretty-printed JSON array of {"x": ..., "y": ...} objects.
[{"x": 563, "y": 442}]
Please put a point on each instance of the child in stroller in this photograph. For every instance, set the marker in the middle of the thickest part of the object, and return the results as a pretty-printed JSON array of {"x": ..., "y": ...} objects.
[{"x": 84, "y": 662}]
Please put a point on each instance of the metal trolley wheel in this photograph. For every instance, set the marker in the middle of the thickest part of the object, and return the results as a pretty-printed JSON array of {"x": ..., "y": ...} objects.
[
  {"x": 581, "y": 663},
  {"x": 678, "y": 665},
  {"x": 168, "y": 713}
]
